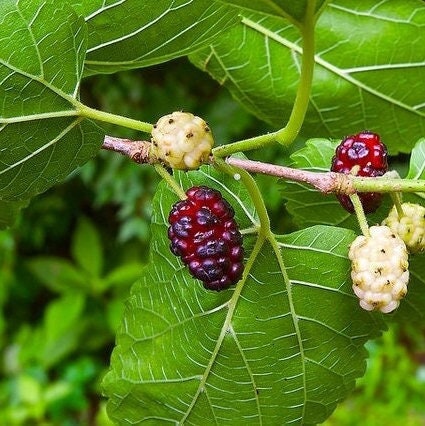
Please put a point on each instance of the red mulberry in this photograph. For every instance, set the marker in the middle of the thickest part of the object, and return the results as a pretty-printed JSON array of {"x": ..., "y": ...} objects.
[
  {"x": 205, "y": 235},
  {"x": 362, "y": 154}
]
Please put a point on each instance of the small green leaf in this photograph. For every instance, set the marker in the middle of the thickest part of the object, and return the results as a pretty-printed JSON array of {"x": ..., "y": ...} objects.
[
  {"x": 417, "y": 161},
  {"x": 269, "y": 350},
  {"x": 308, "y": 206},
  {"x": 123, "y": 275},
  {"x": 133, "y": 34},
  {"x": 368, "y": 72},
  {"x": 42, "y": 137},
  {"x": 61, "y": 327},
  {"x": 87, "y": 248},
  {"x": 57, "y": 274}
]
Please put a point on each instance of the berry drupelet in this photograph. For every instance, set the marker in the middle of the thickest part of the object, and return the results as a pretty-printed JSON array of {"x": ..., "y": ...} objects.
[
  {"x": 206, "y": 237},
  {"x": 362, "y": 154}
]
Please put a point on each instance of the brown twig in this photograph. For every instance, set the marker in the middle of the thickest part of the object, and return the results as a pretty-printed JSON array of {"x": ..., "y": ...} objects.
[
  {"x": 325, "y": 182},
  {"x": 138, "y": 151}
]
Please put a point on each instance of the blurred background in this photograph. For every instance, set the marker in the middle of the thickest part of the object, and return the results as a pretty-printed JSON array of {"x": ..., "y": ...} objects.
[{"x": 67, "y": 266}]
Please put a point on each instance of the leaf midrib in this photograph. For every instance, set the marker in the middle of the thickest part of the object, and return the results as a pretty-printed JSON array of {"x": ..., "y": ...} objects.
[{"x": 263, "y": 237}]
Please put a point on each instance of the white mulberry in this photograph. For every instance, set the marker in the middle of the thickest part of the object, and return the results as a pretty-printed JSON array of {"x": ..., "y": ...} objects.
[
  {"x": 181, "y": 141},
  {"x": 379, "y": 269},
  {"x": 410, "y": 227}
]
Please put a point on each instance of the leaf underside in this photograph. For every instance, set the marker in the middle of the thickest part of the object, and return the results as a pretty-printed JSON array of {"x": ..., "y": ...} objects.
[{"x": 278, "y": 352}]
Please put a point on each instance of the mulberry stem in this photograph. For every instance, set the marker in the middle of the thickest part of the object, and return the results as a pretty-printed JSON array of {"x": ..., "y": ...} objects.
[
  {"x": 397, "y": 198},
  {"x": 361, "y": 217},
  {"x": 170, "y": 181}
]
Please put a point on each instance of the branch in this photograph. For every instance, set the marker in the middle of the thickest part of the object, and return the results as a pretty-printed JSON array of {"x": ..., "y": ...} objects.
[
  {"x": 324, "y": 182},
  {"x": 138, "y": 151},
  {"x": 328, "y": 182}
]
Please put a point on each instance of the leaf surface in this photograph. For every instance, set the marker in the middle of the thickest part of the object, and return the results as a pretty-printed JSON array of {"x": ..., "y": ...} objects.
[
  {"x": 368, "y": 74},
  {"x": 42, "y": 138},
  {"x": 294, "y": 11},
  {"x": 133, "y": 34},
  {"x": 285, "y": 345},
  {"x": 86, "y": 248}
]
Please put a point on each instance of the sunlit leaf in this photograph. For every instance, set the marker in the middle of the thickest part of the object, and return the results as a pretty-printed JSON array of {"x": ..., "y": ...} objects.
[
  {"x": 57, "y": 274},
  {"x": 87, "y": 248}
]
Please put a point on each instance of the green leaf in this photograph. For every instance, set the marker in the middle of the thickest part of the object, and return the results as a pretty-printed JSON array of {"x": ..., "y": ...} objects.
[
  {"x": 308, "y": 206},
  {"x": 57, "y": 274},
  {"x": 133, "y": 34},
  {"x": 56, "y": 337},
  {"x": 9, "y": 210},
  {"x": 282, "y": 347},
  {"x": 87, "y": 248},
  {"x": 124, "y": 274},
  {"x": 368, "y": 73},
  {"x": 294, "y": 11},
  {"x": 412, "y": 307},
  {"x": 42, "y": 138},
  {"x": 61, "y": 327},
  {"x": 417, "y": 161}
]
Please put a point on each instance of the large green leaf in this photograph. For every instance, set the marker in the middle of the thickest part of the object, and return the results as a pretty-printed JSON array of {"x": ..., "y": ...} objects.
[
  {"x": 42, "y": 138},
  {"x": 368, "y": 74},
  {"x": 282, "y": 347},
  {"x": 133, "y": 33}
]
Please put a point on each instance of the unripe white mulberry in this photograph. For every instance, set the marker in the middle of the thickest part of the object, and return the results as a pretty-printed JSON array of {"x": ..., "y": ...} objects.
[
  {"x": 379, "y": 269},
  {"x": 410, "y": 227},
  {"x": 181, "y": 141}
]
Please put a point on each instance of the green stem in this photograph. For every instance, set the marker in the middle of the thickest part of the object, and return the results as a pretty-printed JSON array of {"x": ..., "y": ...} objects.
[
  {"x": 170, "y": 181},
  {"x": 383, "y": 184},
  {"x": 396, "y": 197},
  {"x": 288, "y": 134},
  {"x": 244, "y": 145},
  {"x": 253, "y": 190},
  {"x": 87, "y": 112},
  {"x": 361, "y": 217}
]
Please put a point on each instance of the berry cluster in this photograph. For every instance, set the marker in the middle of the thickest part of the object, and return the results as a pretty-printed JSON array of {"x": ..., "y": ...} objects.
[
  {"x": 205, "y": 235},
  {"x": 379, "y": 269},
  {"x": 181, "y": 141},
  {"x": 410, "y": 226},
  {"x": 362, "y": 154}
]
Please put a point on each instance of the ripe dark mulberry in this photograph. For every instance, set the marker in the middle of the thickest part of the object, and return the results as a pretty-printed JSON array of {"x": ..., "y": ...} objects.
[
  {"x": 362, "y": 154},
  {"x": 205, "y": 235}
]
